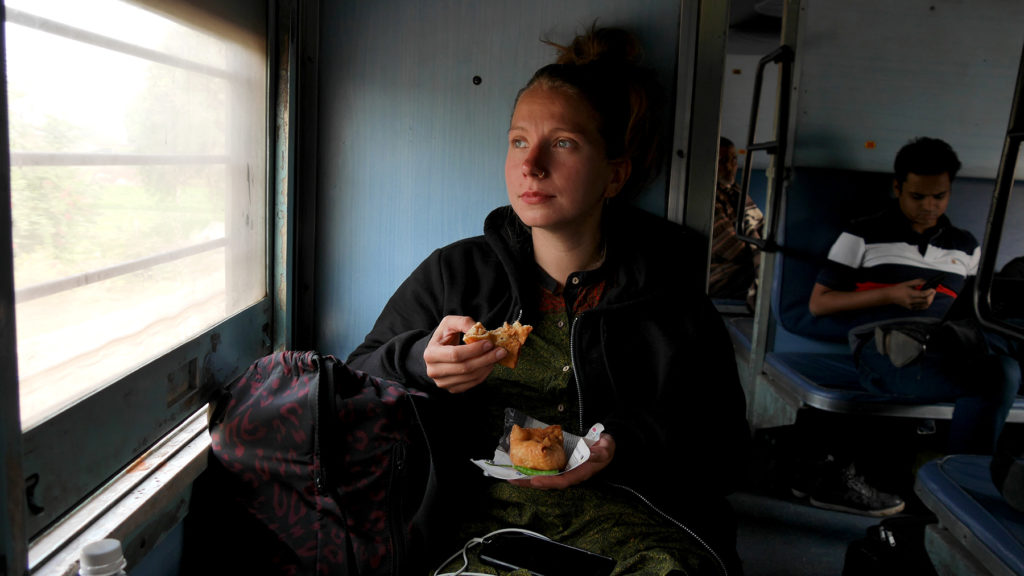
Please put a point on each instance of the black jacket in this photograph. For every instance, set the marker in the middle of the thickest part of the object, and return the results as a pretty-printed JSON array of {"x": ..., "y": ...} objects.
[{"x": 652, "y": 360}]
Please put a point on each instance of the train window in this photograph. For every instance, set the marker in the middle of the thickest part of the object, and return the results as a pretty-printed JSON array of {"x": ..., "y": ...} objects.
[
  {"x": 136, "y": 195},
  {"x": 139, "y": 153}
]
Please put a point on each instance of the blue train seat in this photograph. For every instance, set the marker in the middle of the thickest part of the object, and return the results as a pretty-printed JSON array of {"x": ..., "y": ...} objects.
[{"x": 977, "y": 531}]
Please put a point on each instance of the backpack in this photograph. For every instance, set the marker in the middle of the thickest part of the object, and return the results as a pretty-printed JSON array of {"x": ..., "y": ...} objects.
[
  {"x": 894, "y": 547},
  {"x": 314, "y": 468}
]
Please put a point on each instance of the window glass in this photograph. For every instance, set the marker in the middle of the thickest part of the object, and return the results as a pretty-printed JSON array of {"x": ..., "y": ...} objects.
[{"x": 138, "y": 190}]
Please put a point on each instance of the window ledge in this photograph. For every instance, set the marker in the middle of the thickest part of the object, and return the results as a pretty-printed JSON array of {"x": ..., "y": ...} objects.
[{"x": 138, "y": 507}]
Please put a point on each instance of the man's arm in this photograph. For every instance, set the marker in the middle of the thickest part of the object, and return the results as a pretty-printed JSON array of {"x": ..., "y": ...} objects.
[
  {"x": 753, "y": 219},
  {"x": 825, "y": 301}
]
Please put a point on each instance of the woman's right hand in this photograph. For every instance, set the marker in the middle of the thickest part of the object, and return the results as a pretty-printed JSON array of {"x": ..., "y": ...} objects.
[{"x": 454, "y": 366}]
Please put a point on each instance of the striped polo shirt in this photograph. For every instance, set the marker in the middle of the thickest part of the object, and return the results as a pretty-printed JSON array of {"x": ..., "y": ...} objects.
[{"x": 884, "y": 249}]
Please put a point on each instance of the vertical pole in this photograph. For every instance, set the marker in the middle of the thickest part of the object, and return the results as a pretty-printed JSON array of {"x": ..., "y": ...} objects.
[
  {"x": 704, "y": 26},
  {"x": 762, "y": 337},
  {"x": 303, "y": 177},
  {"x": 997, "y": 214}
]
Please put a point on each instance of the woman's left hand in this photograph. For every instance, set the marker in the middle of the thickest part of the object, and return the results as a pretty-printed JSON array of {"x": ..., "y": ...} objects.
[{"x": 601, "y": 454}]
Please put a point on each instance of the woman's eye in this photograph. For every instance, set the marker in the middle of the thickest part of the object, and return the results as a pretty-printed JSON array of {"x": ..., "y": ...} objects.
[
  {"x": 517, "y": 143},
  {"x": 563, "y": 143}
]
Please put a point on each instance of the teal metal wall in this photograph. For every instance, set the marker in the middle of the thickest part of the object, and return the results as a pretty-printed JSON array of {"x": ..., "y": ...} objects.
[{"x": 874, "y": 73}]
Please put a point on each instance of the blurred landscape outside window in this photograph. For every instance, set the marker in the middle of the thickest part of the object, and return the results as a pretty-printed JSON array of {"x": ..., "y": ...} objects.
[{"x": 138, "y": 154}]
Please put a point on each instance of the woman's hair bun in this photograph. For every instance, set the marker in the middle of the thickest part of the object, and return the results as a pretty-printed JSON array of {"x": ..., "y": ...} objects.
[{"x": 605, "y": 45}]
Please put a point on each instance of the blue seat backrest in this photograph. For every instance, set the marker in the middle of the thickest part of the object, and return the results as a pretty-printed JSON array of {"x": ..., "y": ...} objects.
[{"x": 819, "y": 203}]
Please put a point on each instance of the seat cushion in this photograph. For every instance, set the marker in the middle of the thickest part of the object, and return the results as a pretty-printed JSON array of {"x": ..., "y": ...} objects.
[
  {"x": 831, "y": 382},
  {"x": 960, "y": 491}
]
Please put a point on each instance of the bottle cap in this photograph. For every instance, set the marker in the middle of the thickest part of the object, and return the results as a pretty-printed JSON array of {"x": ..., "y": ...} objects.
[{"x": 101, "y": 558}]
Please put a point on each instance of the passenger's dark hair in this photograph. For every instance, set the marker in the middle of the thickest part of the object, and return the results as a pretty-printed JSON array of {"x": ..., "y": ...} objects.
[
  {"x": 927, "y": 157},
  {"x": 603, "y": 67},
  {"x": 724, "y": 142}
]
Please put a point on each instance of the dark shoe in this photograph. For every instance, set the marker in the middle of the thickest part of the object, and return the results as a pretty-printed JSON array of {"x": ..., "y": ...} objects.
[{"x": 848, "y": 492}]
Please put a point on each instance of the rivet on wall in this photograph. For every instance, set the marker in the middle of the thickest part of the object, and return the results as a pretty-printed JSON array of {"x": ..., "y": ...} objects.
[{"x": 477, "y": 80}]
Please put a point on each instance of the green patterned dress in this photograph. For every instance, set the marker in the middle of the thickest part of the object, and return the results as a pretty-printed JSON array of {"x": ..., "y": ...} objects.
[{"x": 594, "y": 516}]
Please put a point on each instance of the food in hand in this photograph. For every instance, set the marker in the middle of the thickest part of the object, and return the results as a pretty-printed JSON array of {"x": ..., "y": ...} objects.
[
  {"x": 509, "y": 336},
  {"x": 537, "y": 450}
]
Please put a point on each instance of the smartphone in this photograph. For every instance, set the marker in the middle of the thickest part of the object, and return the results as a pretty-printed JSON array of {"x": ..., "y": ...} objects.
[
  {"x": 542, "y": 557},
  {"x": 933, "y": 282}
]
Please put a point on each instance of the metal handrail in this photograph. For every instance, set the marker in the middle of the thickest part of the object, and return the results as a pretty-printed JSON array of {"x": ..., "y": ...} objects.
[
  {"x": 784, "y": 56},
  {"x": 997, "y": 216}
]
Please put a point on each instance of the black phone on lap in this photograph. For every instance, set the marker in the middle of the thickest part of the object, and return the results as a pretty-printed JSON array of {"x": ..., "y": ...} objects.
[
  {"x": 542, "y": 557},
  {"x": 933, "y": 282}
]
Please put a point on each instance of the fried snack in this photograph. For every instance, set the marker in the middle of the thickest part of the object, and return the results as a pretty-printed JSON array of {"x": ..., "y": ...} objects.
[
  {"x": 509, "y": 336},
  {"x": 537, "y": 448}
]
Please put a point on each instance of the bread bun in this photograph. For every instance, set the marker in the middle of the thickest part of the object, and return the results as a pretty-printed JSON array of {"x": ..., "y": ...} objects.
[
  {"x": 510, "y": 337},
  {"x": 537, "y": 448}
]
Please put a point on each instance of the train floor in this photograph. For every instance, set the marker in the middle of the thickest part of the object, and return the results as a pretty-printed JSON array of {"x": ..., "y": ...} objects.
[
  {"x": 780, "y": 534},
  {"x": 786, "y": 537}
]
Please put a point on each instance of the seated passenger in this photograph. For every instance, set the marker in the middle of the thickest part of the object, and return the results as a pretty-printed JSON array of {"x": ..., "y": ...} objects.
[
  {"x": 619, "y": 336},
  {"x": 876, "y": 271},
  {"x": 734, "y": 263}
]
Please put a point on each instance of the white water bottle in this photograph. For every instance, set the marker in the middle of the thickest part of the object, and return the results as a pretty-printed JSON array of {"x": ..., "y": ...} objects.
[{"x": 102, "y": 558}]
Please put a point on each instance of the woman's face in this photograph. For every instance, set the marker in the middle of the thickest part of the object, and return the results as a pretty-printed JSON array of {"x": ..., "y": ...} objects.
[{"x": 556, "y": 171}]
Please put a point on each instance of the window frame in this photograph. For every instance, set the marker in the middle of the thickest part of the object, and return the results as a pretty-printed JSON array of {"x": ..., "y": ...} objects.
[
  {"x": 132, "y": 421},
  {"x": 13, "y": 544},
  {"x": 1005, "y": 178}
]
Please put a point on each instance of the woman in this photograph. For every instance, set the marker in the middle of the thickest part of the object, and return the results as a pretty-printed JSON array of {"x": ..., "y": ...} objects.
[{"x": 621, "y": 335}]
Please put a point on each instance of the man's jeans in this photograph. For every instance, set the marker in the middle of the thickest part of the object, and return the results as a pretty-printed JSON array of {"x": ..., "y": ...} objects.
[{"x": 983, "y": 389}]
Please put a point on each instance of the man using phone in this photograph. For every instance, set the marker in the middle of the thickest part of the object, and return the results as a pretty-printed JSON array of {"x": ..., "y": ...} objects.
[
  {"x": 879, "y": 264},
  {"x": 910, "y": 261}
]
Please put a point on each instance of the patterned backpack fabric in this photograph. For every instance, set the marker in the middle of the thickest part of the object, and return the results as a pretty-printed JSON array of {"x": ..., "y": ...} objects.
[{"x": 315, "y": 468}]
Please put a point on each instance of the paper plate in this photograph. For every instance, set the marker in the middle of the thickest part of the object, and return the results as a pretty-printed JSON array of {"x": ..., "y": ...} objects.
[{"x": 500, "y": 465}]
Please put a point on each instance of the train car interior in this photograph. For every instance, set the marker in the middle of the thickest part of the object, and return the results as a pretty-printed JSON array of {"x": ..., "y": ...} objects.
[{"x": 192, "y": 185}]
